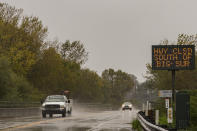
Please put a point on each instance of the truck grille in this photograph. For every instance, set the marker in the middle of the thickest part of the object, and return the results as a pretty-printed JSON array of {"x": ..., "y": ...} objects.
[{"x": 52, "y": 106}]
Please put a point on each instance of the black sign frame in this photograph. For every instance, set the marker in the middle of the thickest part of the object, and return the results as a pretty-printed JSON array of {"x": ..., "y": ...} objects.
[{"x": 173, "y": 62}]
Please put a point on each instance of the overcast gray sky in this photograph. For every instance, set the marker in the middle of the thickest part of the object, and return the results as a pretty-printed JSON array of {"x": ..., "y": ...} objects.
[{"x": 117, "y": 33}]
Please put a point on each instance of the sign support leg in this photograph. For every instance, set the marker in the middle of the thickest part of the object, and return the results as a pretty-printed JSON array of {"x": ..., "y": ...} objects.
[
  {"x": 173, "y": 92},
  {"x": 173, "y": 86}
]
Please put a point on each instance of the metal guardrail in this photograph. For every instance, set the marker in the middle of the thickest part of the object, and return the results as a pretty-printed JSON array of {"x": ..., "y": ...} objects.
[{"x": 147, "y": 125}]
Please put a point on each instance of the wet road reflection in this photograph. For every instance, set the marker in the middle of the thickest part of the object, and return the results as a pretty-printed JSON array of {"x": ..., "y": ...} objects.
[
  {"x": 10, "y": 117},
  {"x": 80, "y": 120}
]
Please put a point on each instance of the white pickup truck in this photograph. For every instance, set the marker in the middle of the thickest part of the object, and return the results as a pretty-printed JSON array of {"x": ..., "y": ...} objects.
[{"x": 56, "y": 104}]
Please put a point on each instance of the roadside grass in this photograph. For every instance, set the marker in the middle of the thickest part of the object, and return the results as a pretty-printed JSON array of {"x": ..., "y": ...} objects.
[
  {"x": 163, "y": 120},
  {"x": 136, "y": 125},
  {"x": 193, "y": 110}
]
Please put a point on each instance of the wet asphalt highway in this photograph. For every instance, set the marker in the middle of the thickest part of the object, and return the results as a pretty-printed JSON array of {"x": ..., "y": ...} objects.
[{"x": 82, "y": 119}]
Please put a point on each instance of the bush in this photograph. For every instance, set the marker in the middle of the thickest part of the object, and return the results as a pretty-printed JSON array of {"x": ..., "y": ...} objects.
[
  {"x": 193, "y": 109},
  {"x": 136, "y": 125}
]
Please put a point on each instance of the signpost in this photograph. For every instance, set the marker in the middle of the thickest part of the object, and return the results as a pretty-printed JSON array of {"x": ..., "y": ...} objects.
[{"x": 173, "y": 58}]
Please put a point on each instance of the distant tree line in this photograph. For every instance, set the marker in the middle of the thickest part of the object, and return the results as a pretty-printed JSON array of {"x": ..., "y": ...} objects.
[{"x": 32, "y": 68}]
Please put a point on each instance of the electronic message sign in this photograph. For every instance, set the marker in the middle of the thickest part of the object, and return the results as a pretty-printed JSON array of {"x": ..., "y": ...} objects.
[{"x": 173, "y": 57}]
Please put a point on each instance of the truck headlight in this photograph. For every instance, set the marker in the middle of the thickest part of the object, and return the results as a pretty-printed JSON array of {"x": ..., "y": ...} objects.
[
  {"x": 43, "y": 107},
  {"x": 61, "y": 106}
]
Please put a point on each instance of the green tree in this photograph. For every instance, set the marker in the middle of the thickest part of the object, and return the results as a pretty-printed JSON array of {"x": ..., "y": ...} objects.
[
  {"x": 21, "y": 38},
  {"x": 9, "y": 14},
  {"x": 89, "y": 86},
  {"x": 120, "y": 83},
  {"x": 31, "y": 68},
  {"x": 74, "y": 51},
  {"x": 13, "y": 87},
  {"x": 48, "y": 73},
  {"x": 7, "y": 78}
]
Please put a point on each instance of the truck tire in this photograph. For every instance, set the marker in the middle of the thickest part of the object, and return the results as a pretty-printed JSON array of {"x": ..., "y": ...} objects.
[
  {"x": 50, "y": 115},
  {"x": 44, "y": 114}
]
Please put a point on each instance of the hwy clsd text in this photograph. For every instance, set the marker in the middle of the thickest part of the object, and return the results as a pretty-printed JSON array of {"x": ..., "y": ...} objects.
[{"x": 172, "y": 57}]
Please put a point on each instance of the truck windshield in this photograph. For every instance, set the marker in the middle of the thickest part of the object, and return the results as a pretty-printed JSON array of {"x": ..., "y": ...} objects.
[{"x": 55, "y": 99}]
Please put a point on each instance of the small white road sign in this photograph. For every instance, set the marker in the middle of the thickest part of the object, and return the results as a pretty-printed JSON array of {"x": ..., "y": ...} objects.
[
  {"x": 165, "y": 93},
  {"x": 170, "y": 115},
  {"x": 167, "y": 103}
]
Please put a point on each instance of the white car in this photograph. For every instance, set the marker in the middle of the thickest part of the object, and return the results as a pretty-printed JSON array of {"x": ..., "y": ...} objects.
[
  {"x": 56, "y": 104},
  {"x": 126, "y": 106}
]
